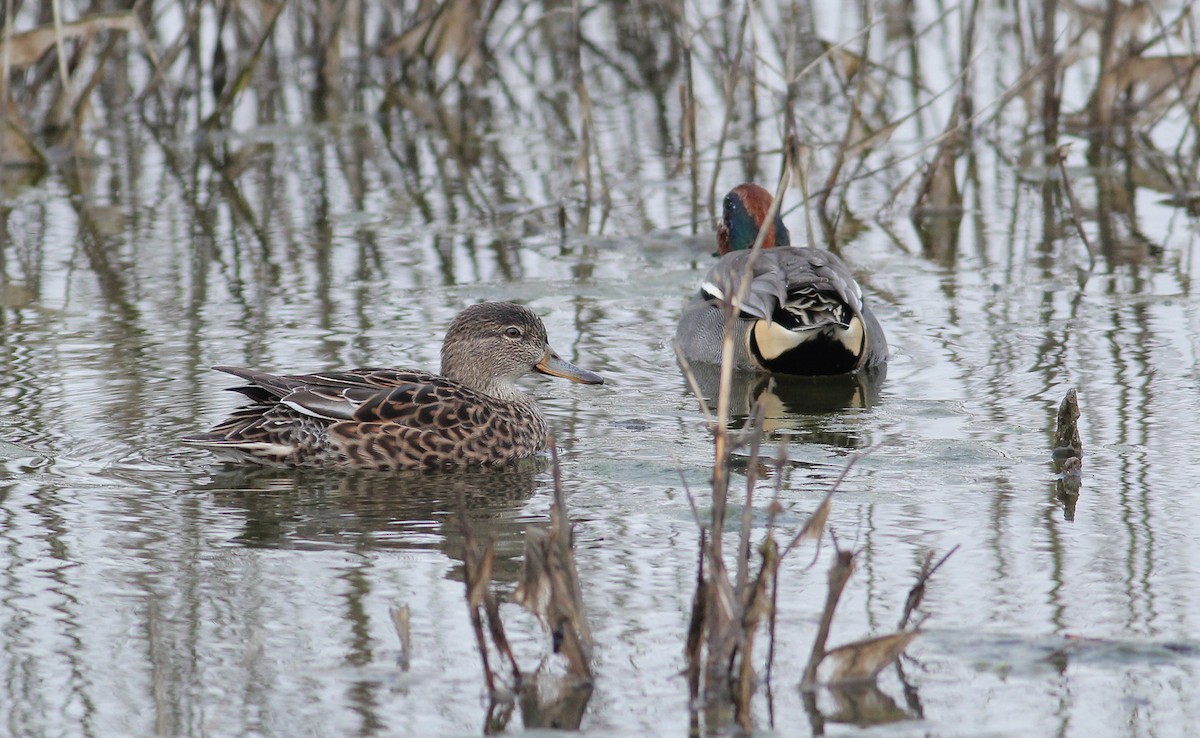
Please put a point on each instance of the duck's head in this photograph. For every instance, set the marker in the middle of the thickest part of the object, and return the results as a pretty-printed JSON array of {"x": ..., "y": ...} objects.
[
  {"x": 745, "y": 210},
  {"x": 490, "y": 345}
]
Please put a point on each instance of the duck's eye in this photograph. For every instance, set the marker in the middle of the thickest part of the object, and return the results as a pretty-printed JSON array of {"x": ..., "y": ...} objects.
[{"x": 512, "y": 331}]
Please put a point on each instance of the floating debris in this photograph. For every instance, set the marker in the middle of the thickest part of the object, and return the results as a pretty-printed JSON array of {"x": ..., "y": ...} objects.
[{"x": 401, "y": 619}]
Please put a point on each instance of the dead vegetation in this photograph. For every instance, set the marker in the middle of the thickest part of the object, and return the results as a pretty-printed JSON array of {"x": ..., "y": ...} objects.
[
  {"x": 1068, "y": 452},
  {"x": 444, "y": 84},
  {"x": 904, "y": 101},
  {"x": 550, "y": 590},
  {"x": 731, "y": 610}
]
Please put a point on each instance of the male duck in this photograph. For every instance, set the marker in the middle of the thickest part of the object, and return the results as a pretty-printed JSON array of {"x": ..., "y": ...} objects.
[
  {"x": 393, "y": 419},
  {"x": 804, "y": 313}
]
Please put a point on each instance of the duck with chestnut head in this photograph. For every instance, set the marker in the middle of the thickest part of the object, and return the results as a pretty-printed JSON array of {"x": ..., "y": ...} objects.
[{"x": 804, "y": 313}]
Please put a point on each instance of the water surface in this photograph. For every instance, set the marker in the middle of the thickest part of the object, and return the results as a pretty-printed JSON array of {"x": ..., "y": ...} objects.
[{"x": 148, "y": 590}]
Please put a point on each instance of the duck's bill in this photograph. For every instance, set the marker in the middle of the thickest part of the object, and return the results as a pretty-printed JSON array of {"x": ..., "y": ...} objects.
[{"x": 556, "y": 367}]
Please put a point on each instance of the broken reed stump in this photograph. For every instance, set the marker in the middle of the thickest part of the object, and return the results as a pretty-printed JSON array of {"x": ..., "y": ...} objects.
[
  {"x": 1068, "y": 452},
  {"x": 1066, "y": 432}
]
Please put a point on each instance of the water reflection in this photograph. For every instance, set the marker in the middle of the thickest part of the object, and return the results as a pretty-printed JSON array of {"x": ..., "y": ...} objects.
[
  {"x": 545, "y": 702},
  {"x": 334, "y": 223},
  {"x": 799, "y": 407},
  {"x": 364, "y": 511},
  {"x": 862, "y": 705}
]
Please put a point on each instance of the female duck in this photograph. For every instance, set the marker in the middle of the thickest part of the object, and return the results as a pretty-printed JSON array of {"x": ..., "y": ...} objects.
[
  {"x": 803, "y": 314},
  {"x": 392, "y": 419}
]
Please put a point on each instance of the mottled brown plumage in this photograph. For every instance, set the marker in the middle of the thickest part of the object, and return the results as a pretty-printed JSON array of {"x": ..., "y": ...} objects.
[{"x": 391, "y": 419}]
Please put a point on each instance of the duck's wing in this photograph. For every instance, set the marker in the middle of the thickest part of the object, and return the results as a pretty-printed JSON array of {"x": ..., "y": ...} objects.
[
  {"x": 264, "y": 384},
  {"x": 803, "y": 313},
  {"x": 415, "y": 399},
  {"x": 807, "y": 288},
  {"x": 279, "y": 400},
  {"x": 767, "y": 289}
]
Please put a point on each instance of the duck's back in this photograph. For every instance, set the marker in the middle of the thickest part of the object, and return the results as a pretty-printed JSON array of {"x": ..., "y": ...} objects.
[{"x": 803, "y": 314}]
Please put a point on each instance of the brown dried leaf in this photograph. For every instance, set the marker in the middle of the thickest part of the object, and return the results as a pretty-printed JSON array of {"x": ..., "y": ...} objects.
[
  {"x": 846, "y": 63},
  {"x": 861, "y": 661},
  {"x": 242, "y": 78},
  {"x": 870, "y": 139},
  {"x": 441, "y": 29},
  {"x": 17, "y": 149},
  {"x": 1148, "y": 77},
  {"x": 1127, "y": 19},
  {"x": 814, "y": 528},
  {"x": 27, "y": 47},
  {"x": 1146, "y": 87}
]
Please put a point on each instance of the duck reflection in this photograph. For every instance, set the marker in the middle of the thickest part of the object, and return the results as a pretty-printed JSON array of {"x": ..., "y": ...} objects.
[
  {"x": 797, "y": 404},
  {"x": 372, "y": 511}
]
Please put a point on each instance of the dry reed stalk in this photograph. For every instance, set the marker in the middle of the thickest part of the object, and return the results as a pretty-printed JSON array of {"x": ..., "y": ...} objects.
[
  {"x": 773, "y": 511},
  {"x": 23, "y": 49},
  {"x": 478, "y": 558},
  {"x": 966, "y": 102},
  {"x": 6, "y": 127},
  {"x": 861, "y": 661},
  {"x": 917, "y": 593},
  {"x": 60, "y": 46},
  {"x": 452, "y": 29},
  {"x": 80, "y": 106},
  {"x": 759, "y": 602},
  {"x": 242, "y": 78},
  {"x": 1103, "y": 102},
  {"x": 589, "y": 147},
  {"x": 688, "y": 129},
  {"x": 938, "y": 193},
  {"x": 726, "y": 615},
  {"x": 327, "y": 35},
  {"x": 1050, "y": 100},
  {"x": 729, "y": 88},
  {"x": 828, "y": 223},
  {"x": 839, "y": 574},
  {"x": 758, "y": 413},
  {"x": 172, "y": 53},
  {"x": 550, "y": 588},
  {"x": 1060, "y": 154}
]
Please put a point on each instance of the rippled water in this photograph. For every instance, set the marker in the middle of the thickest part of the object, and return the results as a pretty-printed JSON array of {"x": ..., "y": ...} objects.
[{"x": 150, "y": 591}]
